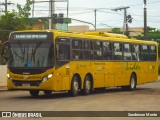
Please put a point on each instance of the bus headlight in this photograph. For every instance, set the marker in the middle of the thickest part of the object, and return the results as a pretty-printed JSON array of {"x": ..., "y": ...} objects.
[
  {"x": 47, "y": 77},
  {"x": 9, "y": 77}
]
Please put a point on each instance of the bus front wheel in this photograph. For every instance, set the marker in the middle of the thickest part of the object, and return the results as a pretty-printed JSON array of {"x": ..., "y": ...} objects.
[
  {"x": 34, "y": 92},
  {"x": 74, "y": 86}
]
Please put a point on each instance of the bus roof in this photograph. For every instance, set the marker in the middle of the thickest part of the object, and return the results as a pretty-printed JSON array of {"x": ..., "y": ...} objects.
[{"x": 95, "y": 35}]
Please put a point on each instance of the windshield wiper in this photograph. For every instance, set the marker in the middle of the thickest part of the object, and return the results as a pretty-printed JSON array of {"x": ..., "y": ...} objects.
[
  {"x": 34, "y": 51},
  {"x": 21, "y": 49}
]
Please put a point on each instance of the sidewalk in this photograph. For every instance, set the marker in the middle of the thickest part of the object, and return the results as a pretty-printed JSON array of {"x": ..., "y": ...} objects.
[{"x": 3, "y": 88}]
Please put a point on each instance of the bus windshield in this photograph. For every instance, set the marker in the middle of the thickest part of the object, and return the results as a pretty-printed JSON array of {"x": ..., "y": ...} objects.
[{"x": 31, "y": 55}]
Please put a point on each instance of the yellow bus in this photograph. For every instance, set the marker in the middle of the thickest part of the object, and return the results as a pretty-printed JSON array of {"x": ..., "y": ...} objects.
[{"x": 50, "y": 60}]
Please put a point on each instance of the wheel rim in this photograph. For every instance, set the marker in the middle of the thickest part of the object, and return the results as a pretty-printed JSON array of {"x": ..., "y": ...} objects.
[
  {"x": 88, "y": 85},
  {"x": 75, "y": 84},
  {"x": 132, "y": 82}
]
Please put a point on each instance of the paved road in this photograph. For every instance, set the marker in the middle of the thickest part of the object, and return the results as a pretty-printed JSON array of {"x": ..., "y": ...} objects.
[{"x": 145, "y": 98}]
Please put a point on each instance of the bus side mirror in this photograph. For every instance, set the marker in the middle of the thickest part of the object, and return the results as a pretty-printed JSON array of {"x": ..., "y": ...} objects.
[{"x": 5, "y": 53}]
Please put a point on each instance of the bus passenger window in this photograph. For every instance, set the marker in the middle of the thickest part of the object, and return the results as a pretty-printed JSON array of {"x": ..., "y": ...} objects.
[
  {"x": 117, "y": 47},
  {"x": 127, "y": 52},
  {"x": 76, "y": 44},
  {"x": 62, "y": 54},
  {"x": 152, "y": 53},
  {"x": 117, "y": 55},
  {"x": 144, "y": 54},
  {"x": 77, "y": 55},
  {"x": 98, "y": 45},
  {"x": 87, "y": 45},
  {"x": 135, "y": 54},
  {"x": 98, "y": 50},
  {"x": 77, "y": 49},
  {"x": 107, "y": 51},
  {"x": 88, "y": 50}
]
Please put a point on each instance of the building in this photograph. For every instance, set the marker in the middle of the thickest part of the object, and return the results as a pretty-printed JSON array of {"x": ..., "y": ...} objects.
[{"x": 43, "y": 23}]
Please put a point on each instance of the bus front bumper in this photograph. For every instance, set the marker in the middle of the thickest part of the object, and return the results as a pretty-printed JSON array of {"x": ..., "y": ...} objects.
[{"x": 31, "y": 85}]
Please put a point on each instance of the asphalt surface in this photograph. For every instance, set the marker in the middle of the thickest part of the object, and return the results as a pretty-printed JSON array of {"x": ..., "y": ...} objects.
[{"x": 145, "y": 98}]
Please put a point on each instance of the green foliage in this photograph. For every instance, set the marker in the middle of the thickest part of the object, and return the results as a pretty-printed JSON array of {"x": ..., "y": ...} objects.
[
  {"x": 116, "y": 30},
  {"x": 13, "y": 21},
  {"x": 152, "y": 35},
  {"x": 159, "y": 70},
  {"x": 25, "y": 11},
  {"x": 10, "y": 21}
]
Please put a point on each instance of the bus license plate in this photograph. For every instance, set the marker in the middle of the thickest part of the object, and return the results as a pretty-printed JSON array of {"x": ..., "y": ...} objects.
[{"x": 26, "y": 85}]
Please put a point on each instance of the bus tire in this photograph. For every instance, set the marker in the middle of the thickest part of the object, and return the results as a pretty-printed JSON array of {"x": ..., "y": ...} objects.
[
  {"x": 74, "y": 87},
  {"x": 34, "y": 92},
  {"x": 47, "y": 92},
  {"x": 132, "y": 85},
  {"x": 87, "y": 85}
]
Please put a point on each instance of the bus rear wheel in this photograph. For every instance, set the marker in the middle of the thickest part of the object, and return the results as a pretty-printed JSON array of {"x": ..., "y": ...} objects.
[
  {"x": 87, "y": 85},
  {"x": 34, "y": 92},
  {"x": 47, "y": 92},
  {"x": 132, "y": 85},
  {"x": 74, "y": 86}
]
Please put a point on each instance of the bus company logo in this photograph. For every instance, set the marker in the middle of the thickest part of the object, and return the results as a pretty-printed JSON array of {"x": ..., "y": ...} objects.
[
  {"x": 25, "y": 77},
  {"x": 6, "y": 114}
]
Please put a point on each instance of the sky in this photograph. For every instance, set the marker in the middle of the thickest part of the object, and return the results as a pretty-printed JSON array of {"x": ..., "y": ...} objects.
[{"x": 106, "y": 18}]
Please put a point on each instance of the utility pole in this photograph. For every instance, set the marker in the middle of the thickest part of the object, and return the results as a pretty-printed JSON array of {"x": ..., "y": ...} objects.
[
  {"x": 145, "y": 19},
  {"x": 6, "y": 5},
  {"x": 52, "y": 11},
  {"x": 95, "y": 12},
  {"x": 125, "y": 23}
]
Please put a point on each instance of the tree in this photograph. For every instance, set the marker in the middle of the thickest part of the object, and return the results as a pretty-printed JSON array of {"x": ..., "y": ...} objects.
[
  {"x": 116, "y": 30},
  {"x": 9, "y": 22},
  {"x": 12, "y": 21},
  {"x": 152, "y": 35},
  {"x": 25, "y": 11}
]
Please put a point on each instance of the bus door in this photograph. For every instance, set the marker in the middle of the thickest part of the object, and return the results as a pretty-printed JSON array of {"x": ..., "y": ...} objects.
[
  {"x": 107, "y": 56},
  {"x": 62, "y": 63},
  {"x": 118, "y": 67},
  {"x": 99, "y": 66}
]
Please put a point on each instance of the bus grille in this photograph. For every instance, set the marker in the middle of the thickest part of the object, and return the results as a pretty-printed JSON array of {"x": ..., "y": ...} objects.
[{"x": 32, "y": 83}]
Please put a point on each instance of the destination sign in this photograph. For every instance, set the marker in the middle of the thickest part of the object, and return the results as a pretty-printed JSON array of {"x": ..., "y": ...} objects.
[
  {"x": 25, "y": 36},
  {"x": 30, "y": 36}
]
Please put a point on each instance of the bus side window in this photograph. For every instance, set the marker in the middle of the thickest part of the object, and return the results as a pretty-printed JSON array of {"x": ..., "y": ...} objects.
[
  {"x": 77, "y": 49},
  {"x": 127, "y": 52},
  {"x": 98, "y": 55},
  {"x": 117, "y": 55},
  {"x": 144, "y": 54},
  {"x": 135, "y": 54},
  {"x": 107, "y": 51},
  {"x": 152, "y": 53},
  {"x": 62, "y": 52},
  {"x": 88, "y": 49}
]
